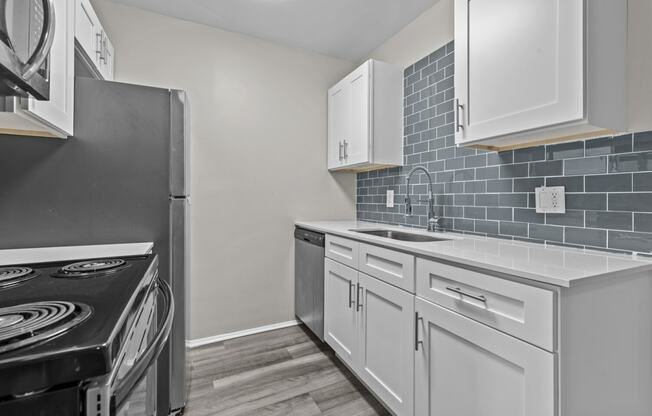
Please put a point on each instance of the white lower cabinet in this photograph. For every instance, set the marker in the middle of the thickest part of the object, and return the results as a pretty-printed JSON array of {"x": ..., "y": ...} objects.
[
  {"x": 464, "y": 368},
  {"x": 370, "y": 325},
  {"x": 424, "y": 359},
  {"x": 340, "y": 326},
  {"x": 386, "y": 343}
]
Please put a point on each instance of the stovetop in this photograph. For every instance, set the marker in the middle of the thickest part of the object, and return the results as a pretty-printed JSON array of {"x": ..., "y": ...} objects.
[{"x": 64, "y": 322}]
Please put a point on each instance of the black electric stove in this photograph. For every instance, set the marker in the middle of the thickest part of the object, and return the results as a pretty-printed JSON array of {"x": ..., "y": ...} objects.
[{"x": 64, "y": 325}]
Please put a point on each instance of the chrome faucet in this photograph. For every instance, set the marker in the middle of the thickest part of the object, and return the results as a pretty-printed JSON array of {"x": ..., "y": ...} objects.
[{"x": 434, "y": 222}]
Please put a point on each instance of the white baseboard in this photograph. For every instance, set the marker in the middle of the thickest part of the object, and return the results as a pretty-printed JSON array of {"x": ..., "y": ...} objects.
[{"x": 198, "y": 342}]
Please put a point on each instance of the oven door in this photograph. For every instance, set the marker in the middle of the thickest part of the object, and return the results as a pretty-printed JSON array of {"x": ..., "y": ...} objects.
[
  {"x": 26, "y": 36},
  {"x": 134, "y": 387},
  {"x": 130, "y": 389}
]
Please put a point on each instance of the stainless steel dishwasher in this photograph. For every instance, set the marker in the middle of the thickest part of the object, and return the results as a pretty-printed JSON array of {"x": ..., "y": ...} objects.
[{"x": 309, "y": 279}]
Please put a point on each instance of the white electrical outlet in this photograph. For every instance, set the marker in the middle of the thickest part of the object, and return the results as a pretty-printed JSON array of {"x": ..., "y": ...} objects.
[
  {"x": 390, "y": 198},
  {"x": 551, "y": 200}
]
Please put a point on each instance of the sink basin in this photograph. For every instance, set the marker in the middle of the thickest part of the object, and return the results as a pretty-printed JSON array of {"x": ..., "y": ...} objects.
[{"x": 398, "y": 235}]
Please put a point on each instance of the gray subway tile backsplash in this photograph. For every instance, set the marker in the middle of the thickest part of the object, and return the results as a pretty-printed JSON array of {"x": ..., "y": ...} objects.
[
  {"x": 570, "y": 218},
  {"x": 565, "y": 150},
  {"x": 608, "y": 219},
  {"x": 609, "y": 145},
  {"x": 608, "y": 180},
  {"x": 547, "y": 232},
  {"x": 630, "y": 241},
  {"x": 643, "y": 222},
  {"x": 519, "y": 170},
  {"x": 571, "y": 183},
  {"x": 643, "y": 141},
  {"x": 643, "y": 181},
  {"x": 585, "y": 166},
  {"x": 641, "y": 202},
  {"x": 609, "y": 183},
  {"x": 529, "y": 154},
  {"x": 586, "y": 236},
  {"x": 550, "y": 168},
  {"x": 630, "y": 162}
]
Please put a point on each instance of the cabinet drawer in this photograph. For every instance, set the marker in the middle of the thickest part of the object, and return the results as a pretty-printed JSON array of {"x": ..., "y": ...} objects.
[
  {"x": 390, "y": 266},
  {"x": 342, "y": 250},
  {"x": 523, "y": 311}
]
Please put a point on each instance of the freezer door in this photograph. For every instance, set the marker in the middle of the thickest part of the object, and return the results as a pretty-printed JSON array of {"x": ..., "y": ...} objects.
[
  {"x": 179, "y": 144},
  {"x": 179, "y": 276}
]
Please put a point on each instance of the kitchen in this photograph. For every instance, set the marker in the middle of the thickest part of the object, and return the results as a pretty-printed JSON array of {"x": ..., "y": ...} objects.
[{"x": 244, "y": 172}]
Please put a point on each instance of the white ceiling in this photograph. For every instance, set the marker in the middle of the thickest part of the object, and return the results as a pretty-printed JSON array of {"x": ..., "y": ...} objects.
[{"x": 348, "y": 29}]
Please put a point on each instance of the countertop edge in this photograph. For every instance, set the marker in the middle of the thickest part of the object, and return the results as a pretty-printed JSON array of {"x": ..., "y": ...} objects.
[
  {"x": 470, "y": 263},
  {"x": 15, "y": 257}
]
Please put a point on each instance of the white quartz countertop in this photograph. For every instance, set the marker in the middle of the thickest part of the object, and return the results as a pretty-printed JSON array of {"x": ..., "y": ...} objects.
[
  {"x": 14, "y": 257},
  {"x": 559, "y": 266}
]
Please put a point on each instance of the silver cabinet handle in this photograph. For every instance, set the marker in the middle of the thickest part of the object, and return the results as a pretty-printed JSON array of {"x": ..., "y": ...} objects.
[
  {"x": 417, "y": 318},
  {"x": 346, "y": 147},
  {"x": 351, "y": 286},
  {"x": 460, "y": 292},
  {"x": 358, "y": 305},
  {"x": 340, "y": 151},
  {"x": 459, "y": 123},
  {"x": 45, "y": 42},
  {"x": 99, "y": 50}
]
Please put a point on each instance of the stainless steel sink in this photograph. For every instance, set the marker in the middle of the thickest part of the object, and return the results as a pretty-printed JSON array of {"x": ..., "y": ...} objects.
[{"x": 398, "y": 235}]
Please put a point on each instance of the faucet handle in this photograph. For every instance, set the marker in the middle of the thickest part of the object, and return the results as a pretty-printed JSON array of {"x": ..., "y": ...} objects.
[
  {"x": 408, "y": 207},
  {"x": 435, "y": 223}
]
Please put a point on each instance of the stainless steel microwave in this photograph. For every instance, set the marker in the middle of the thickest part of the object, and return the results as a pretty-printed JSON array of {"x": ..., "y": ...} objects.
[{"x": 26, "y": 35}]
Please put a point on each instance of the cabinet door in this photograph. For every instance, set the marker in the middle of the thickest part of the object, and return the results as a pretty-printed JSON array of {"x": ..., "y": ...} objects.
[
  {"x": 58, "y": 111},
  {"x": 518, "y": 65},
  {"x": 339, "y": 309},
  {"x": 385, "y": 359},
  {"x": 339, "y": 122},
  {"x": 465, "y": 368},
  {"x": 357, "y": 142},
  {"x": 87, "y": 29},
  {"x": 109, "y": 59}
]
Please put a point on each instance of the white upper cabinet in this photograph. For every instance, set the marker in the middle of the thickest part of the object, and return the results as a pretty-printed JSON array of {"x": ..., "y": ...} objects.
[
  {"x": 52, "y": 118},
  {"x": 365, "y": 118},
  {"x": 93, "y": 45},
  {"x": 537, "y": 71}
]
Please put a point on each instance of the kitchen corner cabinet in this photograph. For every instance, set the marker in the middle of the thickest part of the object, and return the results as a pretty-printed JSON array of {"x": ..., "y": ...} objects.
[
  {"x": 370, "y": 325},
  {"x": 92, "y": 44},
  {"x": 53, "y": 118},
  {"x": 539, "y": 71},
  {"x": 365, "y": 119}
]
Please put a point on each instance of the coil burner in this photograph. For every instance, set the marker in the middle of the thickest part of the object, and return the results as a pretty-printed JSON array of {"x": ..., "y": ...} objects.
[
  {"x": 11, "y": 276},
  {"x": 27, "y": 324},
  {"x": 91, "y": 268}
]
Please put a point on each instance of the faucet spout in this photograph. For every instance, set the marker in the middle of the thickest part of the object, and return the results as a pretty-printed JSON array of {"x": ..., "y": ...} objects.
[{"x": 434, "y": 222}]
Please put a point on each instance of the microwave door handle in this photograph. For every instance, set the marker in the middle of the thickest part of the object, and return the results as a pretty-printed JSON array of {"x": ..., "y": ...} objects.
[
  {"x": 121, "y": 392},
  {"x": 45, "y": 42}
]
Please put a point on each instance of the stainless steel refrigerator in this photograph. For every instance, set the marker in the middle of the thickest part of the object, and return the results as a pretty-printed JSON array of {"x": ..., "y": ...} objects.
[{"x": 123, "y": 177}]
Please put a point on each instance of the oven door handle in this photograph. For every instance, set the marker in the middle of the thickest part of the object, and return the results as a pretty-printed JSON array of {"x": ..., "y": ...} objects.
[
  {"x": 122, "y": 391},
  {"x": 45, "y": 42}
]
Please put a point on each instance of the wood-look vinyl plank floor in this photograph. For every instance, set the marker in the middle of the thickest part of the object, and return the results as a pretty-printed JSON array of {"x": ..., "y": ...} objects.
[{"x": 286, "y": 372}]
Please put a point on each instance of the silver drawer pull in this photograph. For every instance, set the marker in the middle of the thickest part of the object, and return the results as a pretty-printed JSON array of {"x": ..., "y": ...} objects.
[{"x": 459, "y": 291}]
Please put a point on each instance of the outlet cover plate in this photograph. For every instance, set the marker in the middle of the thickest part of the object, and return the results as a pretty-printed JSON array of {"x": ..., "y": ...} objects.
[
  {"x": 551, "y": 199},
  {"x": 390, "y": 198}
]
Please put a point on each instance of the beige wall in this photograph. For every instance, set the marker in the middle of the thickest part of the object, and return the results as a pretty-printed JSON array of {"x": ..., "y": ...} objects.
[
  {"x": 427, "y": 33},
  {"x": 258, "y": 114}
]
